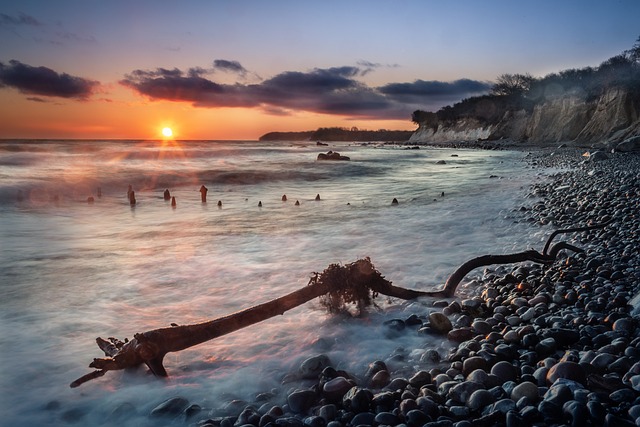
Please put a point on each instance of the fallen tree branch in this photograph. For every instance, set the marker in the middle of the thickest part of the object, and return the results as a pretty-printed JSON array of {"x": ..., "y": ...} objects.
[{"x": 338, "y": 286}]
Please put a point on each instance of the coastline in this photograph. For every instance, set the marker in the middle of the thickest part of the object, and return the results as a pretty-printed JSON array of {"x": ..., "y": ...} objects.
[{"x": 536, "y": 345}]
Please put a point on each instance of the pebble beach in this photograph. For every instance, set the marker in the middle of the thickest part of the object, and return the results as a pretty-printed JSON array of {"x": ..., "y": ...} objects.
[{"x": 531, "y": 344}]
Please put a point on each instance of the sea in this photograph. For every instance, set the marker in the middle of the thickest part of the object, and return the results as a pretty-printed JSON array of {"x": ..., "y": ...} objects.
[{"x": 79, "y": 261}]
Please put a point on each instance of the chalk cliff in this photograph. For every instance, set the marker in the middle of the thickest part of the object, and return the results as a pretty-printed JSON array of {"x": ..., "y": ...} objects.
[{"x": 598, "y": 121}]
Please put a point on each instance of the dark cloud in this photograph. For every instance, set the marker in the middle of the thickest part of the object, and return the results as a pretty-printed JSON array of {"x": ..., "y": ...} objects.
[
  {"x": 321, "y": 90},
  {"x": 44, "y": 81},
  {"x": 21, "y": 19},
  {"x": 229, "y": 66},
  {"x": 434, "y": 90}
]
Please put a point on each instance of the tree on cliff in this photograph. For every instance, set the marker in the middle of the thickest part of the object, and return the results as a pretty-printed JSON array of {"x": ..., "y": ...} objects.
[{"x": 512, "y": 84}]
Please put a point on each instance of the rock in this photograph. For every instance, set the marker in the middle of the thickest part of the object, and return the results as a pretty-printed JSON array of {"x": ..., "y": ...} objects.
[
  {"x": 462, "y": 391},
  {"x": 336, "y": 388},
  {"x": 312, "y": 367},
  {"x": 598, "y": 156},
  {"x": 460, "y": 334},
  {"x": 301, "y": 400},
  {"x": 629, "y": 144},
  {"x": 479, "y": 399},
  {"x": 171, "y": 407},
  {"x": 505, "y": 371},
  {"x": 332, "y": 155},
  {"x": 440, "y": 323},
  {"x": 472, "y": 363},
  {"x": 380, "y": 379},
  {"x": 568, "y": 370},
  {"x": 357, "y": 399},
  {"x": 525, "y": 389}
]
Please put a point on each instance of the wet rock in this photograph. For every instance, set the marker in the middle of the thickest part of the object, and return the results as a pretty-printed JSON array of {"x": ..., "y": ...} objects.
[
  {"x": 357, "y": 399},
  {"x": 170, "y": 408},
  {"x": 301, "y": 400},
  {"x": 312, "y": 367},
  {"x": 525, "y": 389},
  {"x": 440, "y": 323},
  {"x": 462, "y": 391},
  {"x": 505, "y": 371},
  {"x": 336, "y": 388},
  {"x": 479, "y": 399},
  {"x": 568, "y": 370}
]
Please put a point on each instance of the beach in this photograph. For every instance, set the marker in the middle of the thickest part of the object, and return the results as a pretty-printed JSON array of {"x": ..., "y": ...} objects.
[
  {"x": 537, "y": 345},
  {"x": 120, "y": 270}
]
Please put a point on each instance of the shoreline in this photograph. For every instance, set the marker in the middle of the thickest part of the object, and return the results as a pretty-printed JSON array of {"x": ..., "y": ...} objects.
[{"x": 535, "y": 345}]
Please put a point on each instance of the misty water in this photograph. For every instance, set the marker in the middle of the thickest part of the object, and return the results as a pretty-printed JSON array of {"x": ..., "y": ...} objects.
[{"x": 71, "y": 271}]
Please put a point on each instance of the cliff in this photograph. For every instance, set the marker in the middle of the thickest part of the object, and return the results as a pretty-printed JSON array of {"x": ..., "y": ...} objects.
[{"x": 602, "y": 120}]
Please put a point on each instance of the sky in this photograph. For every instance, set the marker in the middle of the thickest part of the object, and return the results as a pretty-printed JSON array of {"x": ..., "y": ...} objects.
[{"x": 236, "y": 69}]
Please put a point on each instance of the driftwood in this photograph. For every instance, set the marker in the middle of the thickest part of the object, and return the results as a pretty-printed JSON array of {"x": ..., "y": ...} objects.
[{"x": 338, "y": 286}]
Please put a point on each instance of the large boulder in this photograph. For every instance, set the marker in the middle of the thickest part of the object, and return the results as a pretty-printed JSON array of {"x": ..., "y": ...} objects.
[
  {"x": 629, "y": 144},
  {"x": 332, "y": 155}
]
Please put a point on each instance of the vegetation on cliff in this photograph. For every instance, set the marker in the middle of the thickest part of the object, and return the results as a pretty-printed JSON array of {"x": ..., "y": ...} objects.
[
  {"x": 522, "y": 92},
  {"x": 339, "y": 134}
]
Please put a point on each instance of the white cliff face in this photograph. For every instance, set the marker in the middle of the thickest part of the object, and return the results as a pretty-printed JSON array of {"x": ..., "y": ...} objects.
[
  {"x": 464, "y": 130},
  {"x": 610, "y": 118}
]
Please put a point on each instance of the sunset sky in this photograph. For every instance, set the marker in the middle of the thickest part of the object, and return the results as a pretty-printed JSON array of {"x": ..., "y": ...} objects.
[{"x": 238, "y": 69}]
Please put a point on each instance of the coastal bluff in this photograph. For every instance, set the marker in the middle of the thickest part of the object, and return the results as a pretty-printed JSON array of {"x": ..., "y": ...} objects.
[{"x": 603, "y": 121}]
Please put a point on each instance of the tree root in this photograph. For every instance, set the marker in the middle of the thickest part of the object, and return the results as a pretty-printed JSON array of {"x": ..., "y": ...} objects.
[{"x": 338, "y": 286}]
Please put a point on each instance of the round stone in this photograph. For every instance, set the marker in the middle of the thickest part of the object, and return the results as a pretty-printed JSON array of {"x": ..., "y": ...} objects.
[
  {"x": 525, "y": 389},
  {"x": 472, "y": 363},
  {"x": 505, "y": 371},
  {"x": 569, "y": 370},
  {"x": 440, "y": 323},
  {"x": 479, "y": 399}
]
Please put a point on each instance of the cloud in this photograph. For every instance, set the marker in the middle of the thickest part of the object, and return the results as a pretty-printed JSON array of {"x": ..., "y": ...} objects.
[
  {"x": 44, "y": 81},
  {"x": 229, "y": 66},
  {"x": 321, "y": 90},
  {"x": 434, "y": 90},
  {"x": 21, "y": 19}
]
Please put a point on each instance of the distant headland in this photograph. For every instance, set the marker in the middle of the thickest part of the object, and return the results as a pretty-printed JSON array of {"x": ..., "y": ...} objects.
[{"x": 340, "y": 134}]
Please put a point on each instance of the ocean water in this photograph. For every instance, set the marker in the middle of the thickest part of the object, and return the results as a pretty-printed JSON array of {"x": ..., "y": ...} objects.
[{"x": 71, "y": 271}]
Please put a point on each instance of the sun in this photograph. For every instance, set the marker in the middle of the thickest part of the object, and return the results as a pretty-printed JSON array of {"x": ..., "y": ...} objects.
[{"x": 167, "y": 132}]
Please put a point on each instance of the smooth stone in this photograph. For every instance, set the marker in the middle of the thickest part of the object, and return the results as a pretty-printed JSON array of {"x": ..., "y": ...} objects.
[
  {"x": 336, "y": 388},
  {"x": 481, "y": 327},
  {"x": 472, "y": 363},
  {"x": 549, "y": 410},
  {"x": 479, "y": 399},
  {"x": 380, "y": 379},
  {"x": 312, "y": 367},
  {"x": 460, "y": 334},
  {"x": 611, "y": 420},
  {"x": 416, "y": 417},
  {"x": 505, "y": 371},
  {"x": 301, "y": 400},
  {"x": 525, "y": 389},
  {"x": 459, "y": 411},
  {"x": 170, "y": 407},
  {"x": 328, "y": 412},
  {"x": 568, "y": 370},
  {"x": 419, "y": 379},
  {"x": 576, "y": 412},
  {"x": 479, "y": 376},
  {"x": 363, "y": 419},
  {"x": 504, "y": 405},
  {"x": 440, "y": 323},
  {"x": 624, "y": 395},
  {"x": 386, "y": 418},
  {"x": 558, "y": 394},
  {"x": 312, "y": 421},
  {"x": 462, "y": 391},
  {"x": 357, "y": 399}
]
